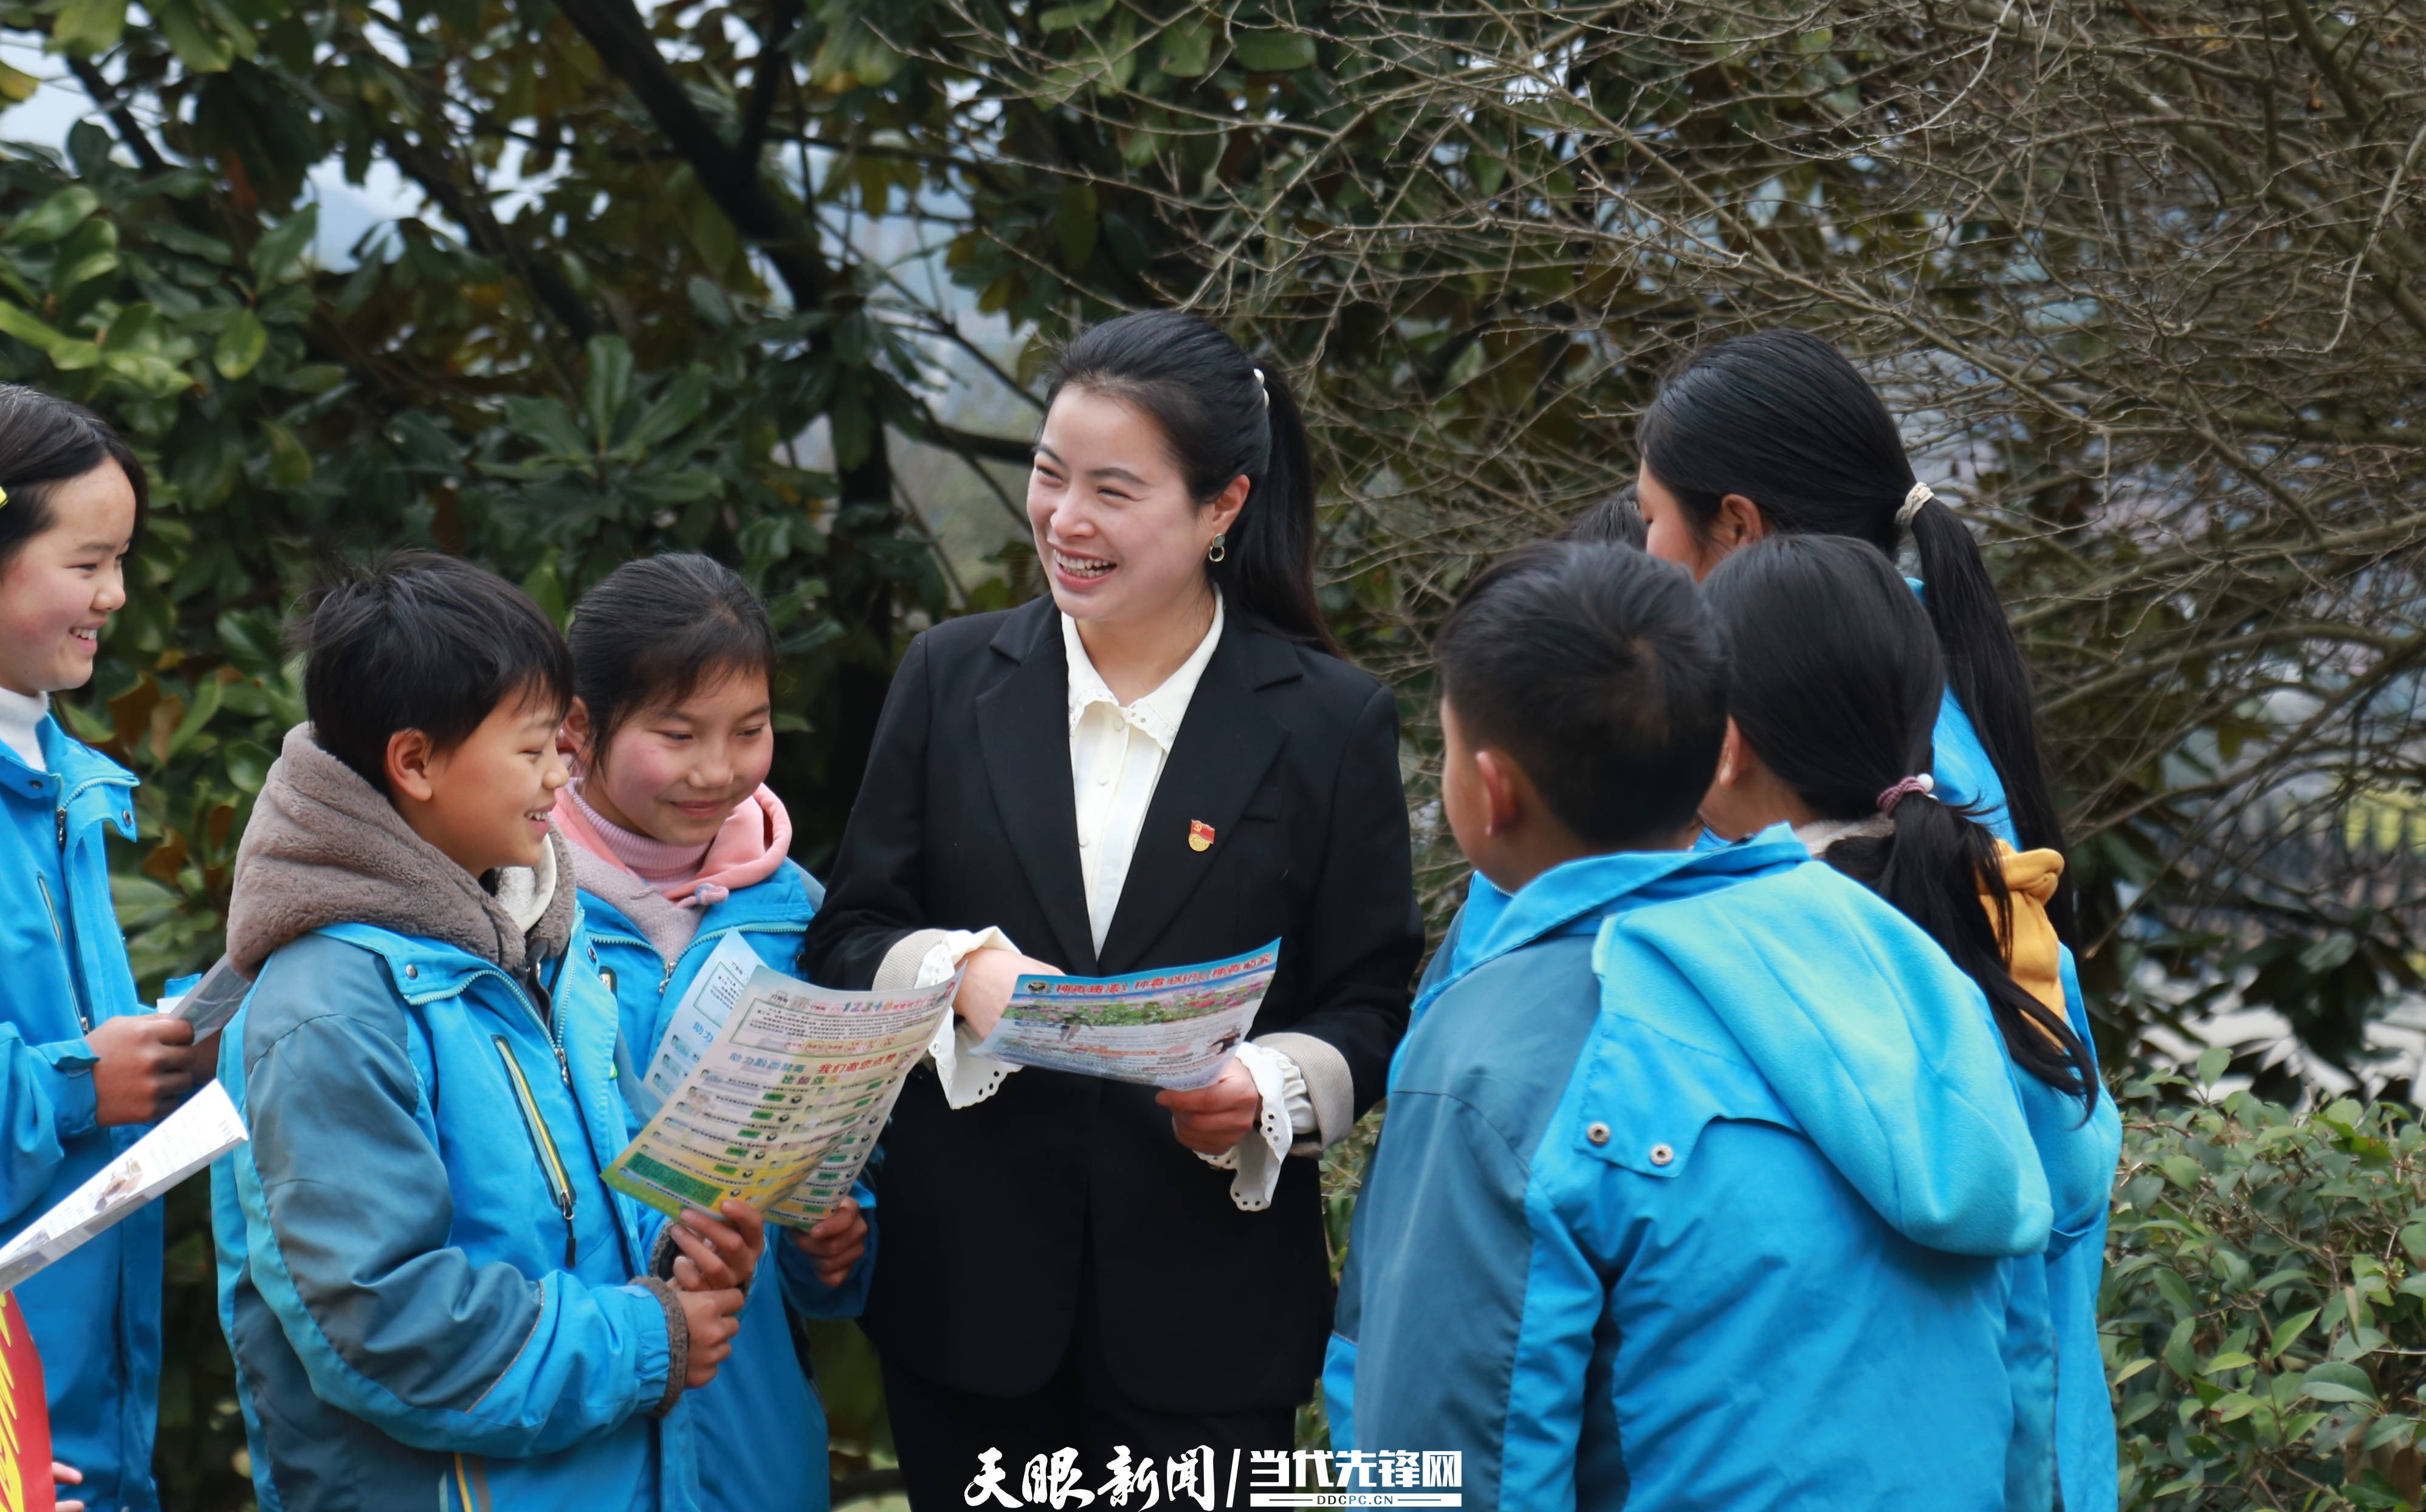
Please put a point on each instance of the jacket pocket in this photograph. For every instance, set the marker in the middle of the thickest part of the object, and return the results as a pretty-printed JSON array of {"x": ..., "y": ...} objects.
[{"x": 551, "y": 1165}]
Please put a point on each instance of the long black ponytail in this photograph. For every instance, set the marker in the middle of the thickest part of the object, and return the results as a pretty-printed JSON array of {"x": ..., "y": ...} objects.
[
  {"x": 1834, "y": 682},
  {"x": 1781, "y": 418},
  {"x": 1224, "y": 417}
]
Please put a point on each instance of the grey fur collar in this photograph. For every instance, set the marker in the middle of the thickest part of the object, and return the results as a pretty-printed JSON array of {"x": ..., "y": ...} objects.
[{"x": 325, "y": 847}]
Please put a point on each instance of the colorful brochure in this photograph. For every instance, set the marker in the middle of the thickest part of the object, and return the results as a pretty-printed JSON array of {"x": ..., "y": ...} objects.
[
  {"x": 783, "y": 1101},
  {"x": 1173, "y": 1027}
]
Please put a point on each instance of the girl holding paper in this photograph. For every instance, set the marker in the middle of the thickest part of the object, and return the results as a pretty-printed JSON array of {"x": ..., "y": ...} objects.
[
  {"x": 1162, "y": 763},
  {"x": 84, "y": 1064},
  {"x": 678, "y": 847}
]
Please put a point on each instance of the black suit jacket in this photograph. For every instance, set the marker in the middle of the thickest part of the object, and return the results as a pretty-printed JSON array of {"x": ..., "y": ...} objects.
[{"x": 998, "y": 1220}]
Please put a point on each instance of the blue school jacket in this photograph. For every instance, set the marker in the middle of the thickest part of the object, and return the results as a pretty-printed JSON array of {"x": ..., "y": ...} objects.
[
  {"x": 761, "y": 1430},
  {"x": 427, "y": 1289},
  {"x": 1720, "y": 1158},
  {"x": 2081, "y": 1171},
  {"x": 95, "y": 1315}
]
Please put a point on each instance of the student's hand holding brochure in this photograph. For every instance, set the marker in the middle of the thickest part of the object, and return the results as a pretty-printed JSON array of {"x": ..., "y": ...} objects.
[{"x": 1170, "y": 1027}]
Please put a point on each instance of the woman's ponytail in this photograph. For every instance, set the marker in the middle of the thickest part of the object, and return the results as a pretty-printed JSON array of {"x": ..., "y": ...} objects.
[
  {"x": 1835, "y": 680},
  {"x": 1267, "y": 567},
  {"x": 1224, "y": 417},
  {"x": 1985, "y": 667}
]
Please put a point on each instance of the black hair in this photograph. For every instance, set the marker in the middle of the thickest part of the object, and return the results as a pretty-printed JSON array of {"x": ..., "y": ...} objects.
[
  {"x": 1781, "y": 418},
  {"x": 653, "y": 631},
  {"x": 1598, "y": 668},
  {"x": 1223, "y": 419},
  {"x": 421, "y": 641},
  {"x": 1617, "y": 517},
  {"x": 45, "y": 440},
  {"x": 1834, "y": 681}
]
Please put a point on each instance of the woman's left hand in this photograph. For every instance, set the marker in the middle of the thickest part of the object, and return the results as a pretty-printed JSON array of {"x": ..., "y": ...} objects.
[{"x": 1213, "y": 1119}]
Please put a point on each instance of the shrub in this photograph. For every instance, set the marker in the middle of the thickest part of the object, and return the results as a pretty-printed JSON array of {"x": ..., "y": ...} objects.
[{"x": 2265, "y": 1302}]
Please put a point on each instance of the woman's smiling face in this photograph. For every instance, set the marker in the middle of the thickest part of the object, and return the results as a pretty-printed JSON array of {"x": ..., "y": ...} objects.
[{"x": 1117, "y": 531}]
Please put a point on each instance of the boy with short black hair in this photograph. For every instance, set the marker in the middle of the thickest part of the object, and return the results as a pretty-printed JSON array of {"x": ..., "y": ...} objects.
[
  {"x": 1703, "y": 1168},
  {"x": 433, "y": 1298}
]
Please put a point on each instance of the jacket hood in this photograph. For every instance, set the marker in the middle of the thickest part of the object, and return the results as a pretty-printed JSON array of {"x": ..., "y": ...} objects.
[
  {"x": 1878, "y": 1045},
  {"x": 325, "y": 847}
]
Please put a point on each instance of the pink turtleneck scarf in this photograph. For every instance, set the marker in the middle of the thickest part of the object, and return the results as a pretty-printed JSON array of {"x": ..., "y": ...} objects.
[
  {"x": 663, "y": 867},
  {"x": 748, "y": 850}
]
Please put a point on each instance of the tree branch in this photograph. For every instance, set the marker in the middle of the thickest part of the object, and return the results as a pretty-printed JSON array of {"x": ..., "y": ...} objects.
[{"x": 616, "y": 32}]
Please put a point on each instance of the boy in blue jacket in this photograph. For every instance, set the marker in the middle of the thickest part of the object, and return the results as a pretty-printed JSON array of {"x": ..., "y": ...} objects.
[
  {"x": 1716, "y": 1154},
  {"x": 433, "y": 1300}
]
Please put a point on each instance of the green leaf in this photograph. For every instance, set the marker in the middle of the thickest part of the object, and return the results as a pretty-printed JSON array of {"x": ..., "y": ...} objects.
[
  {"x": 202, "y": 47},
  {"x": 2232, "y": 1408},
  {"x": 549, "y": 424},
  {"x": 83, "y": 27},
  {"x": 54, "y": 217},
  {"x": 290, "y": 465},
  {"x": 247, "y": 765},
  {"x": 2176, "y": 1291},
  {"x": 2182, "y": 1171},
  {"x": 206, "y": 704},
  {"x": 2288, "y": 1330},
  {"x": 2333, "y": 952},
  {"x": 1273, "y": 52},
  {"x": 2212, "y": 1062},
  {"x": 2232, "y": 1361},
  {"x": 1186, "y": 50},
  {"x": 684, "y": 401},
  {"x": 2177, "y": 1354},
  {"x": 1065, "y": 18},
  {"x": 242, "y": 341},
  {"x": 283, "y": 245},
  {"x": 606, "y": 386},
  {"x": 2338, "y": 1380},
  {"x": 16, "y": 87}
]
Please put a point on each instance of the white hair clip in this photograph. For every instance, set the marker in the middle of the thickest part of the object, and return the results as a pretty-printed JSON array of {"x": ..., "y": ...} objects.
[
  {"x": 1260, "y": 388},
  {"x": 1913, "y": 501}
]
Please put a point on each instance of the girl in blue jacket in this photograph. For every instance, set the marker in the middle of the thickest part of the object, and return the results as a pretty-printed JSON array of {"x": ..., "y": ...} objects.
[
  {"x": 1835, "y": 684},
  {"x": 82, "y": 1067},
  {"x": 679, "y": 847}
]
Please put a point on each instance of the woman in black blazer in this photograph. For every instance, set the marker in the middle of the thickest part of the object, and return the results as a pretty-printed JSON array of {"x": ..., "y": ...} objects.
[{"x": 1058, "y": 1266}]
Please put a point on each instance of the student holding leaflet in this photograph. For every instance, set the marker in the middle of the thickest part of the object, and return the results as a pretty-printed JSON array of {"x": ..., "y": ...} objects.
[{"x": 1160, "y": 765}]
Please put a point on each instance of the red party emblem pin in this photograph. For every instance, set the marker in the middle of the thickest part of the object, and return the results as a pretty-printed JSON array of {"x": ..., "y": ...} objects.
[{"x": 1200, "y": 834}]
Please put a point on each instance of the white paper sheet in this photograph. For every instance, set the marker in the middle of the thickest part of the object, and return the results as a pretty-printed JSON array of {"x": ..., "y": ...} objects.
[{"x": 185, "y": 1142}]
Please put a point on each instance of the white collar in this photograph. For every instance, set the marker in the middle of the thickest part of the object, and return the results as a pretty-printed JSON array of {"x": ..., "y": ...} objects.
[
  {"x": 1822, "y": 833},
  {"x": 1157, "y": 713},
  {"x": 21, "y": 724}
]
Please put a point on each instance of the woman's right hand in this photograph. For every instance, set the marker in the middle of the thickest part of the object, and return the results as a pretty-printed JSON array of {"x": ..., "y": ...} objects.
[{"x": 987, "y": 980}]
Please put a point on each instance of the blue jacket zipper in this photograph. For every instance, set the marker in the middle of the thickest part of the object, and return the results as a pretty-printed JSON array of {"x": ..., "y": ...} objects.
[{"x": 551, "y": 1161}]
